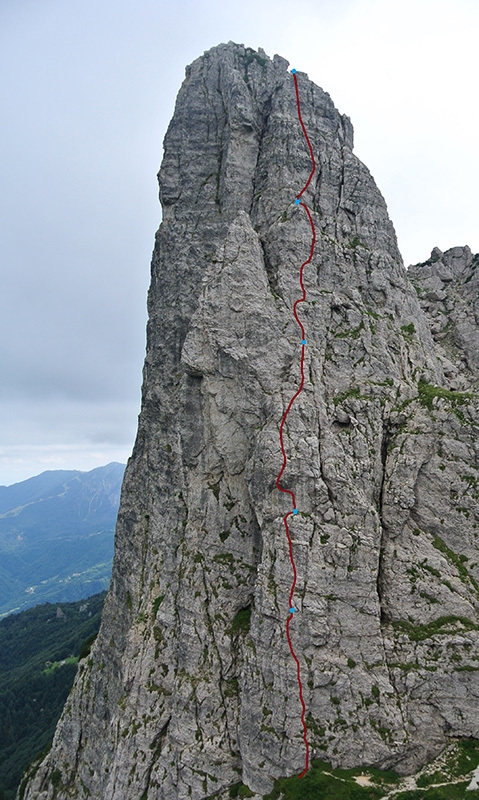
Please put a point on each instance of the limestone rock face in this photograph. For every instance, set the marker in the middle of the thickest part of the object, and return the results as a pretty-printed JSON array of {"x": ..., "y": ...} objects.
[
  {"x": 448, "y": 289},
  {"x": 190, "y": 687}
]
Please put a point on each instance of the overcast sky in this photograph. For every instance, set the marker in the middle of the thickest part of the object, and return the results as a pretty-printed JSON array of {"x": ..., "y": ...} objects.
[{"x": 88, "y": 88}]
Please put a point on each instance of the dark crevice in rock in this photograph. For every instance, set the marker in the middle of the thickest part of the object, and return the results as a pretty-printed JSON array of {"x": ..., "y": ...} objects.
[
  {"x": 211, "y": 628},
  {"x": 261, "y": 134},
  {"x": 322, "y": 470},
  {"x": 271, "y": 271},
  {"x": 385, "y": 441},
  {"x": 384, "y": 616},
  {"x": 156, "y": 746},
  {"x": 218, "y": 176},
  {"x": 191, "y": 420},
  {"x": 341, "y": 184},
  {"x": 316, "y": 198}
]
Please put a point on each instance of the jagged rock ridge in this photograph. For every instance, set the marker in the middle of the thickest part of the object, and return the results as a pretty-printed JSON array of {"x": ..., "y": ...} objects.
[{"x": 190, "y": 686}]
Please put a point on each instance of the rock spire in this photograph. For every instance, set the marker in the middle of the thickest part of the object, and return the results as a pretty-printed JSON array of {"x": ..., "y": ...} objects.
[{"x": 190, "y": 687}]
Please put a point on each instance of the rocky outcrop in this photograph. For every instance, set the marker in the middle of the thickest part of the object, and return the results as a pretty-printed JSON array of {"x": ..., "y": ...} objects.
[
  {"x": 448, "y": 289},
  {"x": 190, "y": 687}
]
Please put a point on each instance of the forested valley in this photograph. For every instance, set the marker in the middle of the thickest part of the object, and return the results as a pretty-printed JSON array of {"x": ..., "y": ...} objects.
[{"x": 39, "y": 652}]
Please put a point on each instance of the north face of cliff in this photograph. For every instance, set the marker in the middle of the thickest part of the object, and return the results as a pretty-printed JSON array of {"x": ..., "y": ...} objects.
[{"x": 190, "y": 687}]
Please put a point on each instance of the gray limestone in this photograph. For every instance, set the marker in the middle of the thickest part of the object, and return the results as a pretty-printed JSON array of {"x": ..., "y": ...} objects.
[{"x": 190, "y": 686}]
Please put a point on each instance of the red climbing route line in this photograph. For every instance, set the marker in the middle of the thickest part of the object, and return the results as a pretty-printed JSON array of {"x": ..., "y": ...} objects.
[
  {"x": 283, "y": 421},
  {"x": 313, "y": 169}
]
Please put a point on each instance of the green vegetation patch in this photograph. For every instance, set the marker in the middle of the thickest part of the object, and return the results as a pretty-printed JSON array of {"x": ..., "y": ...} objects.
[
  {"x": 87, "y": 645},
  {"x": 241, "y": 622},
  {"x": 250, "y": 57},
  {"x": 353, "y": 393},
  {"x": 353, "y": 333},
  {"x": 322, "y": 781},
  {"x": 157, "y": 603},
  {"x": 356, "y": 242},
  {"x": 57, "y": 664},
  {"x": 39, "y": 650},
  {"x": 427, "y": 392},
  {"x": 240, "y": 790},
  {"x": 465, "y": 757},
  {"x": 457, "y": 560},
  {"x": 442, "y": 625},
  {"x": 408, "y": 331},
  {"x": 453, "y": 791},
  {"x": 231, "y": 687},
  {"x": 224, "y": 558},
  {"x": 454, "y": 768}
]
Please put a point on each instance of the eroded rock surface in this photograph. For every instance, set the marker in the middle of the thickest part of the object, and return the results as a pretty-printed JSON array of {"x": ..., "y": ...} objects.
[{"x": 190, "y": 687}]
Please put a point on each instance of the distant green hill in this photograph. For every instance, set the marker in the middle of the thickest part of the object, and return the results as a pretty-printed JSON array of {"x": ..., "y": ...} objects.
[
  {"x": 39, "y": 651},
  {"x": 56, "y": 536}
]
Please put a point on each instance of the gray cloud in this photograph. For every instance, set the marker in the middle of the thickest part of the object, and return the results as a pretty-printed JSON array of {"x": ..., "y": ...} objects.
[{"x": 36, "y": 435}]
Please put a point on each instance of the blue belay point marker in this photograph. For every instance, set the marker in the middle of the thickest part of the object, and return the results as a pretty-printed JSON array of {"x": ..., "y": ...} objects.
[
  {"x": 291, "y": 610},
  {"x": 297, "y": 201},
  {"x": 293, "y": 72},
  {"x": 303, "y": 341},
  {"x": 295, "y": 510}
]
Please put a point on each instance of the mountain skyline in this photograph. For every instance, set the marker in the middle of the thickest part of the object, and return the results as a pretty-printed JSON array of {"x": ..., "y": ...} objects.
[{"x": 56, "y": 536}]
